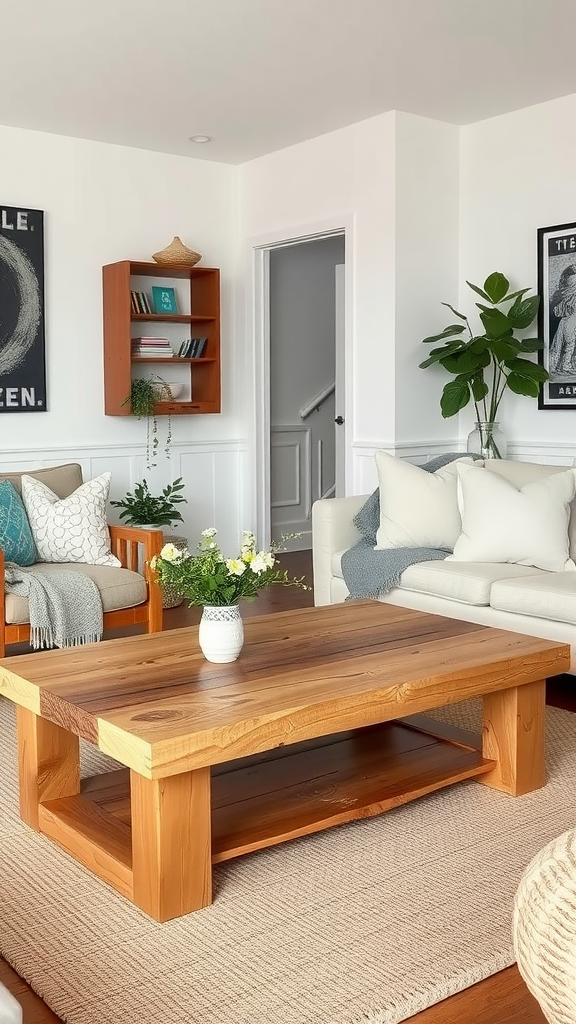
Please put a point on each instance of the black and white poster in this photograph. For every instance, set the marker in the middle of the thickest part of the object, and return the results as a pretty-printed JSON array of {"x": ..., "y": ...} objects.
[
  {"x": 557, "y": 315},
  {"x": 22, "y": 346}
]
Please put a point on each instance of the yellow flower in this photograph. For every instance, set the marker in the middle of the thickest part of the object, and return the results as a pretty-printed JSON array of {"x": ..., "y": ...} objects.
[
  {"x": 170, "y": 553},
  {"x": 258, "y": 563},
  {"x": 235, "y": 566}
]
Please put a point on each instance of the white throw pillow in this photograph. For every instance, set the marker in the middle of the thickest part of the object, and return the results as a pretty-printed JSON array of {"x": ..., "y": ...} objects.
[
  {"x": 417, "y": 509},
  {"x": 504, "y": 523},
  {"x": 72, "y": 529}
]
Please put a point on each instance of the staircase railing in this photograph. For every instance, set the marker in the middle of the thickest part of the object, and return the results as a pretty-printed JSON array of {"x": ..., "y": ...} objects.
[{"x": 315, "y": 404}]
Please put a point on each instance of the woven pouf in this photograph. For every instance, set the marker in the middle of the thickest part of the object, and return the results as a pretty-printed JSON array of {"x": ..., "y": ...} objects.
[
  {"x": 170, "y": 596},
  {"x": 544, "y": 928}
]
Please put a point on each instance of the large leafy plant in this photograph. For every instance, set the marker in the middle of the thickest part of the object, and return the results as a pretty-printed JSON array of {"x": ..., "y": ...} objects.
[{"x": 484, "y": 365}]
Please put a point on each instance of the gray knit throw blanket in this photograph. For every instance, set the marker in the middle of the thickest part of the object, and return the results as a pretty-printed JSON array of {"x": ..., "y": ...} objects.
[
  {"x": 371, "y": 574},
  {"x": 65, "y": 607}
]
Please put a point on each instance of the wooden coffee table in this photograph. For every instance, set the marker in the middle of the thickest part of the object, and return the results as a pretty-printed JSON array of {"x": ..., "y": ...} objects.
[{"x": 305, "y": 731}]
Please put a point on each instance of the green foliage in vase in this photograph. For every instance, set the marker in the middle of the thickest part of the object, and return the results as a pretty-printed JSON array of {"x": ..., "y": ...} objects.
[
  {"x": 484, "y": 365},
  {"x": 208, "y": 578},
  {"x": 145, "y": 509}
]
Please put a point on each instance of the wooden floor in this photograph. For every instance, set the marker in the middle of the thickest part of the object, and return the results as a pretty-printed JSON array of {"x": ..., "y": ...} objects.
[{"x": 501, "y": 999}]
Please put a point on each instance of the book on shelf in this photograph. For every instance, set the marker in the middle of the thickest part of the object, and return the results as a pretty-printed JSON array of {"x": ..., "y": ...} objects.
[
  {"x": 140, "y": 302},
  {"x": 153, "y": 353},
  {"x": 192, "y": 348},
  {"x": 157, "y": 347},
  {"x": 152, "y": 341},
  {"x": 198, "y": 347}
]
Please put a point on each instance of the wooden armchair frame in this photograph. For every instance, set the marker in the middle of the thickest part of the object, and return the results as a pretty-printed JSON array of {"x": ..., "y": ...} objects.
[{"x": 133, "y": 548}]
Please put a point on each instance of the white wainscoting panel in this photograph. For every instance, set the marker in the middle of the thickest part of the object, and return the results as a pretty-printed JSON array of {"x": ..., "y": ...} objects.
[
  {"x": 291, "y": 483},
  {"x": 561, "y": 453},
  {"x": 210, "y": 472},
  {"x": 364, "y": 468}
]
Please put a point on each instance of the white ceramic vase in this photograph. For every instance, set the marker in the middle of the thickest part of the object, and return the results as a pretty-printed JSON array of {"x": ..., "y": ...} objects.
[{"x": 221, "y": 633}]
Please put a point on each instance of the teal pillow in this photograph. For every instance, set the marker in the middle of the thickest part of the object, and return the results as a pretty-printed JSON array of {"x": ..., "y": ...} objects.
[{"x": 16, "y": 538}]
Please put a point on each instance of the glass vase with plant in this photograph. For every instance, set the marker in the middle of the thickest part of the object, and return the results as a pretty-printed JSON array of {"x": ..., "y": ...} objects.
[
  {"x": 142, "y": 508},
  {"x": 485, "y": 364}
]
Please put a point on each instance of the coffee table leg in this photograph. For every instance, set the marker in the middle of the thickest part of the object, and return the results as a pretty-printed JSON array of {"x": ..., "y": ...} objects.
[
  {"x": 48, "y": 763},
  {"x": 513, "y": 735},
  {"x": 171, "y": 843}
]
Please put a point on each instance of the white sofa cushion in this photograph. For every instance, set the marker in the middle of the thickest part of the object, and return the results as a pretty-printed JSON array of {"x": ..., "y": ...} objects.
[
  {"x": 72, "y": 529},
  {"x": 520, "y": 473},
  {"x": 547, "y": 596},
  {"x": 417, "y": 509},
  {"x": 467, "y": 582},
  {"x": 501, "y": 523}
]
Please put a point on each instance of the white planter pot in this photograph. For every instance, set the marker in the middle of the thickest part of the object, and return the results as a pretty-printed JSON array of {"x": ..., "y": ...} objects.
[{"x": 221, "y": 633}]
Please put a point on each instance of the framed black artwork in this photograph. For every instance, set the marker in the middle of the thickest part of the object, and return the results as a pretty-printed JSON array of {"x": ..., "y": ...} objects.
[
  {"x": 22, "y": 344},
  {"x": 557, "y": 315}
]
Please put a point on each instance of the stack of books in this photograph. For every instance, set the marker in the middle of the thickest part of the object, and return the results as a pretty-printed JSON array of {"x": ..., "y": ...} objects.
[
  {"x": 140, "y": 302},
  {"x": 159, "y": 348},
  {"x": 193, "y": 348}
]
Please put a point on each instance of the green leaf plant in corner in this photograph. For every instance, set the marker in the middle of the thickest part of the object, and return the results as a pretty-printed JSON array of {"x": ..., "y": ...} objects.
[{"x": 485, "y": 364}]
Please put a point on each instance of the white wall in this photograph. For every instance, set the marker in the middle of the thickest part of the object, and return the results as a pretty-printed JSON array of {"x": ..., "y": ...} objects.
[
  {"x": 427, "y": 196},
  {"x": 517, "y": 174},
  {"x": 105, "y": 203},
  {"x": 345, "y": 178},
  {"x": 394, "y": 179}
]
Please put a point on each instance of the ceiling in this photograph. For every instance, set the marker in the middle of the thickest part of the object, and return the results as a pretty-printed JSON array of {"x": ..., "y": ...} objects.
[{"x": 259, "y": 75}]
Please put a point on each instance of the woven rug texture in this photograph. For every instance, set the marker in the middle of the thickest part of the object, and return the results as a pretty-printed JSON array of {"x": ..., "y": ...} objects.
[{"x": 367, "y": 923}]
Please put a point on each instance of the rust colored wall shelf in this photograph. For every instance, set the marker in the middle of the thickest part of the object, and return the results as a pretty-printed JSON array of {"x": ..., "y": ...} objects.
[{"x": 204, "y": 304}]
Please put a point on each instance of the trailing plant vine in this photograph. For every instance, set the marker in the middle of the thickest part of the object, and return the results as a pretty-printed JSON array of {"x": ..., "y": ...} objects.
[{"x": 142, "y": 401}]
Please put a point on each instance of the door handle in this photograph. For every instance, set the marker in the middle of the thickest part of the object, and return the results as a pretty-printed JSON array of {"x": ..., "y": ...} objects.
[{"x": 339, "y": 420}]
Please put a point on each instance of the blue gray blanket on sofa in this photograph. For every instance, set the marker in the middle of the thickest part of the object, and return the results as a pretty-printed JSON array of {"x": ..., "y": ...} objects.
[{"x": 370, "y": 574}]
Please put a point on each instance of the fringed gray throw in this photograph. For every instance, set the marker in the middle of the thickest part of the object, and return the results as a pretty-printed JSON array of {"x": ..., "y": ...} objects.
[{"x": 65, "y": 607}]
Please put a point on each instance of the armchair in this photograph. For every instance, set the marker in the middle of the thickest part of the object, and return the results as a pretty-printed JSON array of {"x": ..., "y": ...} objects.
[{"x": 129, "y": 594}]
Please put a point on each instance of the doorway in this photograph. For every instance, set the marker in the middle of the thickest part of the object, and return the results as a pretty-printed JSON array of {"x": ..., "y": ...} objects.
[{"x": 306, "y": 381}]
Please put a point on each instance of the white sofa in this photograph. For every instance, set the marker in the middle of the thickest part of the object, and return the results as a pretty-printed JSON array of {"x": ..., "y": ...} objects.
[{"x": 510, "y": 596}]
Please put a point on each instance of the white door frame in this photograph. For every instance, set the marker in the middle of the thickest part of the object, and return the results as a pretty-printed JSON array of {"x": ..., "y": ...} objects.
[{"x": 258, "y": 324}]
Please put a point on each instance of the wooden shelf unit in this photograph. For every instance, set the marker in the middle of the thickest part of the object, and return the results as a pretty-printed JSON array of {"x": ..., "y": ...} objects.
[{"x": 117, "y": 283}]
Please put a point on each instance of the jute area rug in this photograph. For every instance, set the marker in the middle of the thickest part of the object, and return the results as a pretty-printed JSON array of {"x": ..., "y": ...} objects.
[{"x": 369, "y": 922}]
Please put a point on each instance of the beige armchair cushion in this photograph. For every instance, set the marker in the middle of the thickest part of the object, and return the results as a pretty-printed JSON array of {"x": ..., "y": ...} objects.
[
  {"x": 119, "y": 588},
  {"x": 63, "y": 480}
]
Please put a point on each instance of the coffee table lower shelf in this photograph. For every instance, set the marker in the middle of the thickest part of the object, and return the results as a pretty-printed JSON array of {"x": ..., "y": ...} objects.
[{"x": 272, "y": 797}]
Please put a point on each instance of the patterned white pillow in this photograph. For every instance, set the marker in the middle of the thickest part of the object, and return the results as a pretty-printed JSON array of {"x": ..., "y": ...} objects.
[{"x": 72, "y": 529}]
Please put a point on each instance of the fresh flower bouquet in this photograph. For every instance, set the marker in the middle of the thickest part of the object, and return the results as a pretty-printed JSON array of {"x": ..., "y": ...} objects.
[{"x": 208, "y": 578}]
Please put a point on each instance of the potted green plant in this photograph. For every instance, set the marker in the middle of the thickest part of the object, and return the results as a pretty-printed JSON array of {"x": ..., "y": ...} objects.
[
  {"x": 218, "y": 583},
  {"x": 485, "y": 364},
  {"x": 142, "y": 508},
  {"x": 142, "y": 401}
]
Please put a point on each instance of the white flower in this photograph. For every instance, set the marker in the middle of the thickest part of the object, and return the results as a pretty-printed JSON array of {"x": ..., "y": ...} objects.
[
  {"x": 209, "y": 533},
  {"x": 170, "y": 553},
  {"x": 235, "y": 566},
  {"x": 268, "y": 558},
  {"x": 248, "y": 540},
  {"x": 258, "y": 563}
]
